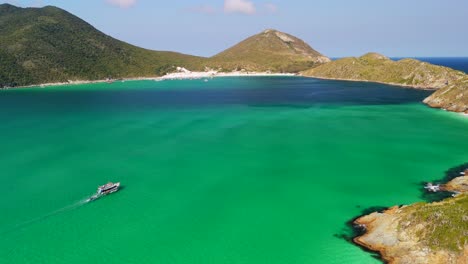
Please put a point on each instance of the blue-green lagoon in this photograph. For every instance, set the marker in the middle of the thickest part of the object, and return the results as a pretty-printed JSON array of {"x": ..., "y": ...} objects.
[{"x": 232, "y": 170}]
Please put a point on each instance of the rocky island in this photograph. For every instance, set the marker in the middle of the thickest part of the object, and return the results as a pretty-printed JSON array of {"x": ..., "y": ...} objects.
[{"x": 422, "y": 233}]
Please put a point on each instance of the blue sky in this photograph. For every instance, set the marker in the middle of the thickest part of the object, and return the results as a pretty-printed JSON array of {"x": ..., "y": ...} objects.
[{"x": 336, "y": 28}]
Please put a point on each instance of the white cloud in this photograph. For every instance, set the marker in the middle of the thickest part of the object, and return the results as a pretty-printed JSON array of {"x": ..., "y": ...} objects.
[
  {"x": 271, "y": 8},
  {"x": 239, "y": 6},
  {"x": 122, "y": 3}
]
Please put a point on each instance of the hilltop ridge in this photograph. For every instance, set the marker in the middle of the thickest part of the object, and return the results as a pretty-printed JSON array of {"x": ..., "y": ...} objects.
[
  {"x": 49, "y": 44},
  {"x": 270, "y": 50},
  {"x": 452, "y": 85},
  {"x": 376, "y": 67}
]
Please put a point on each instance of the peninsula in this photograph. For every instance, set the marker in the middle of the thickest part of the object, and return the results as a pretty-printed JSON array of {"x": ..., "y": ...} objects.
[
  {"x": 453, "y": 97},
  {"x": 422, "y": 233},
  {"x": 452, "y": 85}
]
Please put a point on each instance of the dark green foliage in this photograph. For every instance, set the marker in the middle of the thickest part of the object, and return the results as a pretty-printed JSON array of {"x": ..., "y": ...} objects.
[
  {"x": 48, "y": 45},
  {"x": 39, "y": 45}
]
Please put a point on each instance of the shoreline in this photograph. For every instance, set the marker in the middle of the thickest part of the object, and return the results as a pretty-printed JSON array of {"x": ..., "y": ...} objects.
[
  {"x": 367, "y": 81},
  {"x": 184, "y": 75},
  {"x": 419, "y": 87},
  {"x": 379, "y": 232}
]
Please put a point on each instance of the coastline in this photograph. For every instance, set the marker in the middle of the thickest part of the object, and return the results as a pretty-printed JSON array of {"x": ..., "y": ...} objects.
[
  {"x": 393, "y": 236},
  {"x": 367, "y": 81},
  {"x": 184, "y": 75},
  {"x": 427, "y": 101}
]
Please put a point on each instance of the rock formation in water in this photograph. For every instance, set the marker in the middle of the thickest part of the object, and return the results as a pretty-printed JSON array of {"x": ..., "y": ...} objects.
[
  {"x": 453, "y": 97},
  {"x": 422, "y": 233}
]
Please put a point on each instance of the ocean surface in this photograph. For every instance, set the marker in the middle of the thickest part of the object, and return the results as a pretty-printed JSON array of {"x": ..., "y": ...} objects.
[{"x": 227, "y": 170}]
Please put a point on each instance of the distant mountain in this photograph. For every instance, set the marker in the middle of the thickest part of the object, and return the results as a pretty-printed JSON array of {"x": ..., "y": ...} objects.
[
  {"x": 378, "y": 68},
  {"x": 270, "y": 50},
  {"x": 39, "y": 45}
]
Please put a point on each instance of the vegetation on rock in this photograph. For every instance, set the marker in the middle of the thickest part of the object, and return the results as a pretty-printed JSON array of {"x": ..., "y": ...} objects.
[
  {"x": 378, "y": 68},
  {"x": 270, "y": 50},
  {"x": 453, "y": 97},
  {"x": 424, "y": 233},
  {"x": 439, "y": 226}
]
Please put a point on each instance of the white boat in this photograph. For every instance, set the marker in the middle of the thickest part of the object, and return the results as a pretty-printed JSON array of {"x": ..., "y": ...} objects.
[
  {"x": 108, "y": 188},
  {"x": 105, "y": 190}
]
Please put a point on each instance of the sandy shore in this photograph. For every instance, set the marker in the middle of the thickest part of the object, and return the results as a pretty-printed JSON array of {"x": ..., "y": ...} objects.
[{"x": 183, "y": 74}]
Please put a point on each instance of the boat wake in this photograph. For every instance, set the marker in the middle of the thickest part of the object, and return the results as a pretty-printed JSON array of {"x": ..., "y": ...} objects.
[
  {"x": 101, "y": 191},
  {"x": 62, "y": 210}
]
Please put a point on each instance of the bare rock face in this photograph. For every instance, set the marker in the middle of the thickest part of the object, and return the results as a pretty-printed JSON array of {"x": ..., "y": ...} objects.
[
  {"x": 459, "y": 184},
  {"x": 421, "y": 233},
  {"x": 453, "y": 97}
]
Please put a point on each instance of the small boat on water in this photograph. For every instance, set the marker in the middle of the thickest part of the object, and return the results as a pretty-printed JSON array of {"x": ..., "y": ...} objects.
[{"x": 105, "y": 189}]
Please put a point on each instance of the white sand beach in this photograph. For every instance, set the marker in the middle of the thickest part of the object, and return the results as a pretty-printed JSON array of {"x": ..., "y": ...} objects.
[{"x": 181, "y": 74}]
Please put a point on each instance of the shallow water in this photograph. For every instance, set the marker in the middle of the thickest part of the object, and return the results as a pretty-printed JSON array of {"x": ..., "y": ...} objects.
[{"x": 233, "y": 170}]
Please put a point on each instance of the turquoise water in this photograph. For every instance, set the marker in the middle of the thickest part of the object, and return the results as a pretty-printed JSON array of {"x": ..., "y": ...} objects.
[{"x": 233, "y": 170}]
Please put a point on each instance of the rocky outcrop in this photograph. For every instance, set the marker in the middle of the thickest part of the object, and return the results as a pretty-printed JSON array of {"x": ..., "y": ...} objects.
[
  {"x": 422, "y": 233},
  {"x": 453, "y": 97},
  {"x": 374, "y": 67},
  {"x": 459, "y": 184}
]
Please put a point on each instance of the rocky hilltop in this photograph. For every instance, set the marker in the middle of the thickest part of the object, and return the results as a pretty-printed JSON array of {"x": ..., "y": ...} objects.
[
  {"x": 422, "y": 233},
  {"x": 374, "y": 67},
  {"x": 270, "y": 50},
  {"x": 48, "y": 45}
]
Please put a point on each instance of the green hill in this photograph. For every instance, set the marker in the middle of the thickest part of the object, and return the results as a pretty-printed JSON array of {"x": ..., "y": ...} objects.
[
  {"x": 378, "y": 68},
  {"x": 40, "y": 45},
  {"x": 270, "y": 50}
]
